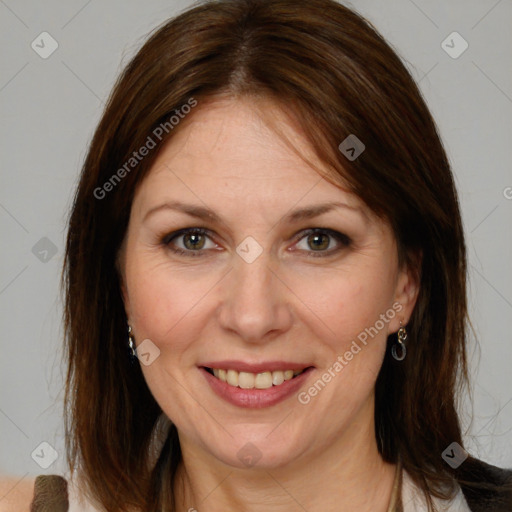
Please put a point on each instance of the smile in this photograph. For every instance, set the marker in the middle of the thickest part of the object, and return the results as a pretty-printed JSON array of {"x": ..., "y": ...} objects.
[
  {"x": 255, "y": 384},
  {"x": 246, "y": 380}
]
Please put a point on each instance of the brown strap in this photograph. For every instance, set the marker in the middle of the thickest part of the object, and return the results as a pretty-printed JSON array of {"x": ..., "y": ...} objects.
[{"x": 50, "y": 494}]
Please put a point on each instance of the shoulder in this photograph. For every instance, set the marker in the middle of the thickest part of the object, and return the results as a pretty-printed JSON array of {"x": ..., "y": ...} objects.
[
  {"x": 16, "y": 493},
  {"x": 485, "y": 487}
]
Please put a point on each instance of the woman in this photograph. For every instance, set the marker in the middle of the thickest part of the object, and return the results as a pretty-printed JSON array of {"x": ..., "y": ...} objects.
[{"x": 265, "y": 279}]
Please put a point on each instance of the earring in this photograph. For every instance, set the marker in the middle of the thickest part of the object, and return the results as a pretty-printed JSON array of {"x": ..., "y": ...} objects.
[
  {"x": 131, "y": 344},
  {"x": 402, "y": 336}
]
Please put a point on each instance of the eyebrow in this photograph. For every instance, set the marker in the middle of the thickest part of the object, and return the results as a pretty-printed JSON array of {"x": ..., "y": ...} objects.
[{"x": 205, "y": 213}]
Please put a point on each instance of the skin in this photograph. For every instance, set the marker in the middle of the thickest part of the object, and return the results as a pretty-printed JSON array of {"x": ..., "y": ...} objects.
[
  {"x": 16, "y": 493},
  {"x": 286, "y": 305}
]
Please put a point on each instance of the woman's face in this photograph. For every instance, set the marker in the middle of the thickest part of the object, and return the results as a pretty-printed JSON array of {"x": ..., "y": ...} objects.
[{"x": 257, "y": 291}]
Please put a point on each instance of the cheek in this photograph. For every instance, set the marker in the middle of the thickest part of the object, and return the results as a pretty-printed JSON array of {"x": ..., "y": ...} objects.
[
  {"x": 164, "y": 302},
  {"x": 352, "y": 335},
  {"x": 345, "y": 302}
]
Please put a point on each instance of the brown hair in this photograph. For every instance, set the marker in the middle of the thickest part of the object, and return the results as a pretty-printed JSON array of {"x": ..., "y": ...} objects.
[{"x": 331, "y": 69}]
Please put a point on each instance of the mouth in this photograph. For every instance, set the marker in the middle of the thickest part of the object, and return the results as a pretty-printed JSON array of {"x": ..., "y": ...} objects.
[
  {"x": 260, "y": 380},
  {"x": 255, "y": 386}
]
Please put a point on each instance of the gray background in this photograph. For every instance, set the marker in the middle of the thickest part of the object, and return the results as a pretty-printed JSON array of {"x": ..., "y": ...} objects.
[{"x": 51, "y": 106}]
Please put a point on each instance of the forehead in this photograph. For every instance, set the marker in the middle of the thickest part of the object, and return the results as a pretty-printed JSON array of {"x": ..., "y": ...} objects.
[
  {"x": 241, "y": 133},
  {"x": 246, "y": 148}
]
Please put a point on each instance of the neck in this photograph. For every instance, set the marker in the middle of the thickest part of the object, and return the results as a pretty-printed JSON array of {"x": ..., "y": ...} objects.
[{"x": 347, "y": 475}]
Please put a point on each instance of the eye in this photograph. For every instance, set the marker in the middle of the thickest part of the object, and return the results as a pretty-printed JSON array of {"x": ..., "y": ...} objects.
[
  {"x": 322, "y": 241},
  {"x": 316, "y": 242},
  {"x": 189, "y": 242}
]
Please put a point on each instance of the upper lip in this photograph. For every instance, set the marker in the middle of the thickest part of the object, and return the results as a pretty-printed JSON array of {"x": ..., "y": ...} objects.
[{"x": 267, "y": 366}]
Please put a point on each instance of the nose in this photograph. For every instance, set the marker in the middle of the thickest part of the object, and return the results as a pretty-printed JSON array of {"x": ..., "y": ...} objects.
[{"x": 255, "y": 303}]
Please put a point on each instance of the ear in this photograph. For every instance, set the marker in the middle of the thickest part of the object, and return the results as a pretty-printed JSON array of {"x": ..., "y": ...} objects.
[{"x": 407, "y": 290}]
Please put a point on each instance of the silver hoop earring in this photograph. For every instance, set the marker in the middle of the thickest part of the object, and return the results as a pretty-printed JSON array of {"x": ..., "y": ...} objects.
[
  {"x": 402, "y": 336},
  {"x": 131, "y": 344}
]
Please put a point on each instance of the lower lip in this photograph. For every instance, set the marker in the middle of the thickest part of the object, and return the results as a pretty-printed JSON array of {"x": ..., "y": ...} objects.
[{"x": 256, "y": 398}]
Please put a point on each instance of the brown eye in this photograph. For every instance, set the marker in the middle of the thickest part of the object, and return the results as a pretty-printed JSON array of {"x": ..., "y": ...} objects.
[
  {"x": 322, "y": 242},
  {"x": 318, "y": 241},
  {"x": 193, "y": 240},
  {"x": 189, "y": 242}
]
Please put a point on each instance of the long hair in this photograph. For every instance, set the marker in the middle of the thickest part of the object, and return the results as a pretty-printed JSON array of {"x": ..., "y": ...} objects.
[{"x": 332, "y": 71}]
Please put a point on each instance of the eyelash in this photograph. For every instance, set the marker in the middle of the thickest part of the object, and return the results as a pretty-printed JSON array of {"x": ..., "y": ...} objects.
[{"x": 341, "y": 238}]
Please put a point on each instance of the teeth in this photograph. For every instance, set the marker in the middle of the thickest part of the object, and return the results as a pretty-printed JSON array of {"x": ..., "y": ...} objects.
[
  {"x": 232, "y": 378},
  {"x": 277, "y": 378},
  {"x": 247, "y": 380},
  {"x": 263, "y": 380}
]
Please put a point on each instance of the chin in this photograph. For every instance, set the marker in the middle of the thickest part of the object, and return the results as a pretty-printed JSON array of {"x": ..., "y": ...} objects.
[{"x": 253, "y": 451}]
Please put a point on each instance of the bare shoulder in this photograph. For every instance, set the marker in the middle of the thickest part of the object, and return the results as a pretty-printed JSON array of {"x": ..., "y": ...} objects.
[{"x": 16, "y": 493}]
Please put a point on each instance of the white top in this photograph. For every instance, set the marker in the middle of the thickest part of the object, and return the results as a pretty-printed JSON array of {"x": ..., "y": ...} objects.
[
  {"x": 412, "y": 499},
  {"x": 76, "y": 502}
]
